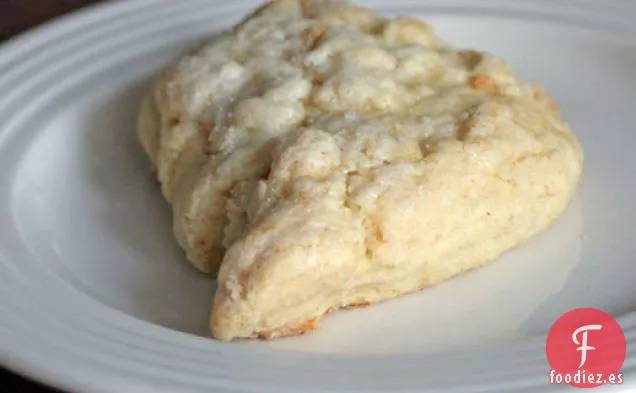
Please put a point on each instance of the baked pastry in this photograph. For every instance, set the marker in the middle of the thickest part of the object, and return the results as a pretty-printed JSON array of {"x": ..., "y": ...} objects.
[{"x": 319, "y": 156}]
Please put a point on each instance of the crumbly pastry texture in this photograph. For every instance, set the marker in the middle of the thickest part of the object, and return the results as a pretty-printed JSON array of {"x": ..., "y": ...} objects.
[{"x": 319, "y": 156}]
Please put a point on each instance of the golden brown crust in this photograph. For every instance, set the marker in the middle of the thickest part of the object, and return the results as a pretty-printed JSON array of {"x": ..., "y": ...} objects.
[
  {"x": 313, "y": 36},
  {"x": 483, "y": 83},
  {"x": 542, "y": 95},
  {"x": 309, "y": 325},
  {"x": 353, "y": 306},
  {"x": 305, "y": 9},
  {"x": 303, "y": 328},
  {"x": 471, "y": 58}
]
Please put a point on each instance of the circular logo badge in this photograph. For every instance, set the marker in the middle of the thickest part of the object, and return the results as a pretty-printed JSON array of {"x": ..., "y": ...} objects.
[{"x": 586, "y": 348}]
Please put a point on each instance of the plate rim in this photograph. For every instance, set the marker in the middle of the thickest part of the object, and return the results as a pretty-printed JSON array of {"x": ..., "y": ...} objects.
[{"x": 68, "y": 25}]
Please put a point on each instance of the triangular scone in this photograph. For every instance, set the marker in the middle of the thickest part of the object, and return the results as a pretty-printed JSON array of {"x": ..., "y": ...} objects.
[{"x": 341, "y": 159}]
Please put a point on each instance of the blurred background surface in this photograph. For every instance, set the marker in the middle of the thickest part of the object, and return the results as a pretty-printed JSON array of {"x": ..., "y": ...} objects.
[{"x": 17, "y": 16}]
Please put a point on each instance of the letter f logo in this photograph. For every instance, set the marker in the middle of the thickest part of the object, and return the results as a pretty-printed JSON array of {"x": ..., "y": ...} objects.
[{"x": 583, "y": 344}]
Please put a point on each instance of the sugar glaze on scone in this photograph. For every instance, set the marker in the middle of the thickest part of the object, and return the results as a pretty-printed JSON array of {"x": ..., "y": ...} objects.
[{"x": 320, "y": 156}]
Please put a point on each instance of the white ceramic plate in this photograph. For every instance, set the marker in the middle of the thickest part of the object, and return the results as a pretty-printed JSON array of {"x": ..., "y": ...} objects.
[{"x": 95, "y": 296}]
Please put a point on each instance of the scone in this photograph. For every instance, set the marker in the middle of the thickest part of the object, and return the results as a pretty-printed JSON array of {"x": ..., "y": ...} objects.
[{"x": 320, "y": 156}]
